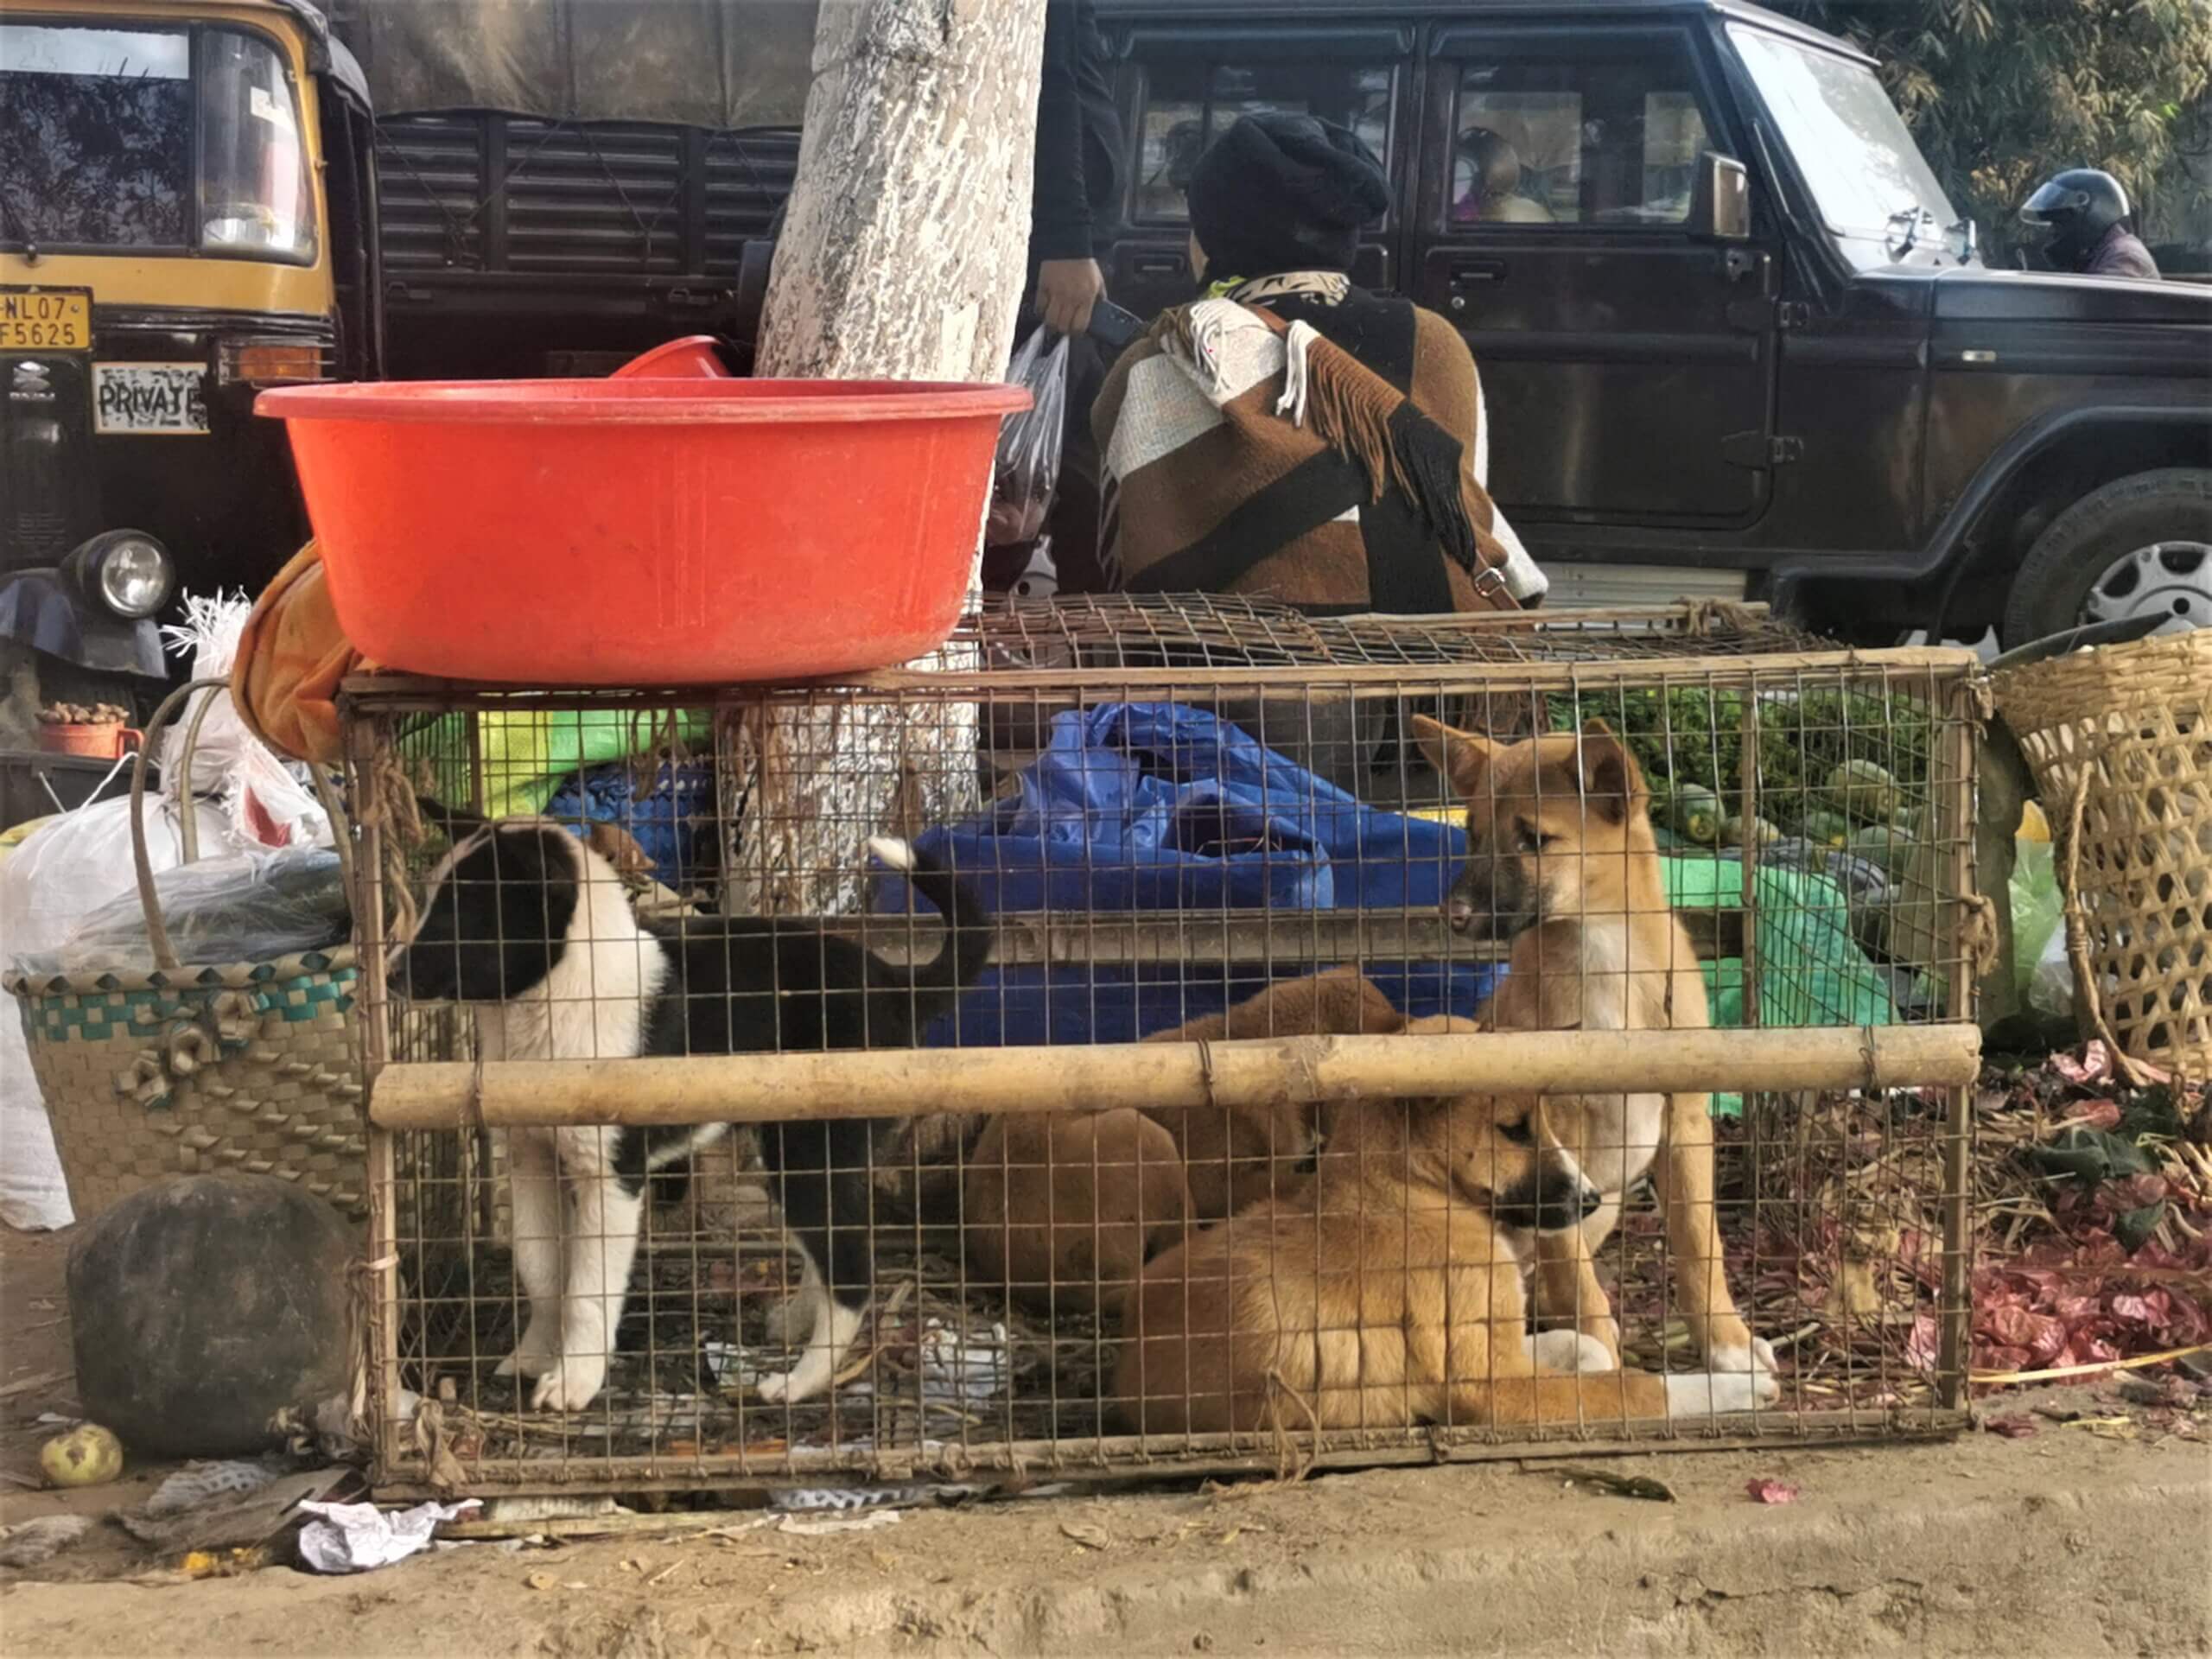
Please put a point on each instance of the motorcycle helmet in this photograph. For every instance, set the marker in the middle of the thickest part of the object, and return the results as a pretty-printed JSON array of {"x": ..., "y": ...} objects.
[{"x": 2075, "y": 208}]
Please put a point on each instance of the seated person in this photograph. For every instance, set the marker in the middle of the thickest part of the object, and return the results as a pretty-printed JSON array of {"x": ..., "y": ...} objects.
[
  {"x": 1486, "y": 176},
  {"x": 1290, "y": 435}
]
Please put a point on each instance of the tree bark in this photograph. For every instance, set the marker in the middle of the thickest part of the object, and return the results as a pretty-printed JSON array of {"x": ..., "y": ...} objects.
[{"x": 901, "y": 257}]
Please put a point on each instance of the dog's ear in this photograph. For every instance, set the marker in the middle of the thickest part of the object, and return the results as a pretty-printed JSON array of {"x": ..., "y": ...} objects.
[
  {"x": 1611, "y": 781},
  {"x": 1460, "y": 756}
]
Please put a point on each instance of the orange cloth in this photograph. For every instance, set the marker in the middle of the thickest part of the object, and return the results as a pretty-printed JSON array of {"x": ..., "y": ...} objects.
[{"x": 291, "y": 660}]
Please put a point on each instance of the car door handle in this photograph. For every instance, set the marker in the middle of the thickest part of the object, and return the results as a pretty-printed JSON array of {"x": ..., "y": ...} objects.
[
  {"x": 1477, "y": 271},
  {"x": 1157, "y": 264}
]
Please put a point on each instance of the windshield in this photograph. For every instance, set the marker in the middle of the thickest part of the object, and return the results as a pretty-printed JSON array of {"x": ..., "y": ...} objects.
[
  {"x": 97, "y": 143},
  {"x": 95, "y": 136},
  {"x": 1867, "y": 176}
]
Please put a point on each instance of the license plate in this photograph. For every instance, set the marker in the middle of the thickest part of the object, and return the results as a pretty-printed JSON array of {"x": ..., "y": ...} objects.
[
  {"x": 160, "y": 399},
  {"x": 46, "y": 320}
]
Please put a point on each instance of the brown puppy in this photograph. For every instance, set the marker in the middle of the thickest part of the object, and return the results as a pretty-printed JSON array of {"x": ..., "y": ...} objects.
[
  {"x": 1560, "y": 858},
  {"x": 1062, "y": 1208},
  {"x": 1386, "y": 1291},
  {"x": 1239, "y": 1155}
]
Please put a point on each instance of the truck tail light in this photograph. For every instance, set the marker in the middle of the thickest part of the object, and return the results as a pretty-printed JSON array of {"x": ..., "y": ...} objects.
[{"x": 272, "y": 362}]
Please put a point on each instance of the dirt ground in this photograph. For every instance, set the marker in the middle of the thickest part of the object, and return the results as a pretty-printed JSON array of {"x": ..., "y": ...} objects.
[{"x": 2088, "y": 1537}]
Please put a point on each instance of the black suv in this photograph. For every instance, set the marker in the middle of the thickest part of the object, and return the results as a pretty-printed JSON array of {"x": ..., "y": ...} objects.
[
  {"x": 1734, "y": 338},
  {"x": 1731, "y": 332}
]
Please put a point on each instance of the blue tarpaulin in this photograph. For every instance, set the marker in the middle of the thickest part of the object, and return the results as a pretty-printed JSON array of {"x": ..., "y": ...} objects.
[
  {"x": 673, "y": 820},
  {"x": 1158, "y": 807}
]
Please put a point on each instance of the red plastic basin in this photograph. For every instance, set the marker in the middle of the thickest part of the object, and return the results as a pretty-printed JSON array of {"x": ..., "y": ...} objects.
[{"x": 644, "y": 532}]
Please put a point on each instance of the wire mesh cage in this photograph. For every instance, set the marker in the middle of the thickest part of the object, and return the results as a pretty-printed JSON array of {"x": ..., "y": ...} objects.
[{"x": 1166, "y": 1033}]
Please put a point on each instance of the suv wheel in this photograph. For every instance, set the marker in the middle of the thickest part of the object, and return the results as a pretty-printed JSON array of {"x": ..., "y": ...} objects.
[{"x": 2140, "y": 546}]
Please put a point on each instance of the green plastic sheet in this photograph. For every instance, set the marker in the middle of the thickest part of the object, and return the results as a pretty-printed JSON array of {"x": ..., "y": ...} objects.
[{"x": 1811, "y": 970}]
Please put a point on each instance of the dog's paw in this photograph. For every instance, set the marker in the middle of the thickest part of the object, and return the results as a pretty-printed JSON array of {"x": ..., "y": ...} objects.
[
  {"x": 1756, "y": 1361},
  {"x": 1712, "y": 1394},
  {"x": 782, "y": 1388},
  {"x": 1570, "y": 1351},
  {"x": 569, "y": 1383}
]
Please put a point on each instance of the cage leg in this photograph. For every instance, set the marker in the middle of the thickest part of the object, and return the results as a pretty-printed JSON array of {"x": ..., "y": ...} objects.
[
  {"x": 1687, "y": 1201},
  {"x": 534, "y": 1178}
]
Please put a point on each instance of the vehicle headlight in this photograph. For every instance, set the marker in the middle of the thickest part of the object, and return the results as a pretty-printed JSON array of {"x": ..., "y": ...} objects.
[{"x": 126, "y": 571}]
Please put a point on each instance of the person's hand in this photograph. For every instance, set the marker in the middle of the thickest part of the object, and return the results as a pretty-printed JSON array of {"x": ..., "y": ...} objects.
[{"x": 1066, "y": 291}]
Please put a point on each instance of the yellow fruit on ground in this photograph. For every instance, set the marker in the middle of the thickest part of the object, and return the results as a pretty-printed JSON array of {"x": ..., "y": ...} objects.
[{"x": 87, "y": 1455}]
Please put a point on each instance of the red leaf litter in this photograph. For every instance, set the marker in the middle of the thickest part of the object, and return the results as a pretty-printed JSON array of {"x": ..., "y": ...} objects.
[
  {"x": 2094, "y": 1065},
  {"x": 2099, "y": 1114},
  {"x": 2015, "y": 1427},
  {"x": 1766, "y": 1489}
]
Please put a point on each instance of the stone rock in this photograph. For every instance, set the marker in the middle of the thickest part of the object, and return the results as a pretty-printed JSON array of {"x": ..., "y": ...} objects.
[{"x": 205, "y": 1306}]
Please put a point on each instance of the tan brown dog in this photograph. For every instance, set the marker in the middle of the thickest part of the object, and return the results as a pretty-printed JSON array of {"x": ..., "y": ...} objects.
[
  {"x": 1561, "y": 859},
  {"x": 1062, "y": 1208},
  {"x": 1386, "y": 1291},
  {"x": 1242, "y": 1155}
]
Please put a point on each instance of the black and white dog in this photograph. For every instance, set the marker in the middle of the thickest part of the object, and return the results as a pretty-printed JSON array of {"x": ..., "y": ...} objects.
[{"x": 527, "y": 924}]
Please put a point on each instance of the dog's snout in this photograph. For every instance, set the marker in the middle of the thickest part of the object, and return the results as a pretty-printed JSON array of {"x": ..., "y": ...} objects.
[
  {"x": 1590, "y": 1199},
  {"x": 1459, "y": 912}
]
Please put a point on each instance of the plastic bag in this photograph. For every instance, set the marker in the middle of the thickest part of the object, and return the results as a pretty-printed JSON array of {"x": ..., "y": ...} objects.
[
  {"x": 263, "y": 801},
  {"x": 1029, "y": 465},
  {"x": 2039, "y": 916},
  {"x": 2050, "y": 987},
  {"x": 247, "y": 907}
]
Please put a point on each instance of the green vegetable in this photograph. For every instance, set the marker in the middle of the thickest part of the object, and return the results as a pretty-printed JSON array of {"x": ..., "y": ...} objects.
[
  {"x": 1863, "y": 790},
  {"x": 1885, "y": 846},
  {"x": 1689, "y": 734},
  {"x": 1762, "y": 834},
  {"x": 1827, "y": 829},
  {"x": 1699, "y": 814}
]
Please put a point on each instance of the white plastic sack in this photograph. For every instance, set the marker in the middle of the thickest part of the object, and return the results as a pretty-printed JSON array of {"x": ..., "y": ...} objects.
[
  {"x": 360, "y": 1538},
  {"x": 71, "y": 867}
]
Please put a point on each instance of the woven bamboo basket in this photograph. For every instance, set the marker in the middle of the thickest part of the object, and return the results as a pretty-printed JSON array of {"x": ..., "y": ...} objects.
[
  {"x": 2122, "y": 756},
  {"x": 165, "y": 1068}
]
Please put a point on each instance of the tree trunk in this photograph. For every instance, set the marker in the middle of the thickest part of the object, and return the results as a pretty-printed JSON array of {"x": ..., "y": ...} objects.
[{"x": 901, "y": 257}]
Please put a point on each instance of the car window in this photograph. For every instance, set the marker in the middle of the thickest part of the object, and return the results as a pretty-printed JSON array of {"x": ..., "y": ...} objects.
[
  {"x": 1601, "y": 138},
  {"x": 1188, "y": 105}
]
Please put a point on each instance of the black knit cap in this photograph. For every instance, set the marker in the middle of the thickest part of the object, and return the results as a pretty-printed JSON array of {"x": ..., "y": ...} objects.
[{"x": 1285, "y": 193}]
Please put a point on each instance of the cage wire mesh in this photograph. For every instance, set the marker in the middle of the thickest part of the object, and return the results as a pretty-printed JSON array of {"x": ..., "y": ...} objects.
[{"x": 1273, "y": 853}]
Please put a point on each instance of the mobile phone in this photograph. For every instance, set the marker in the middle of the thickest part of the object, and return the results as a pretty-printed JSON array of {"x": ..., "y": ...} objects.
[{"x": 1113, "y": 327}]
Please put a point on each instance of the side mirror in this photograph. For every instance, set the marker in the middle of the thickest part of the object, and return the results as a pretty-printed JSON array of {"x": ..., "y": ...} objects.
[{"x": 1720, "y": 199}]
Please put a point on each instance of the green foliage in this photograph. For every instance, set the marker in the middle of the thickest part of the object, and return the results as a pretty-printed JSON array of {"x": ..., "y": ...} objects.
[
  {"x": 2003, "y": 94},
  {"x": 1689, "y": 737}
]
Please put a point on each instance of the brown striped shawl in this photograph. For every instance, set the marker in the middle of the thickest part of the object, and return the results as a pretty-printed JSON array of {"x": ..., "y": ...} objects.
[{"x": 1304, "y": 441}]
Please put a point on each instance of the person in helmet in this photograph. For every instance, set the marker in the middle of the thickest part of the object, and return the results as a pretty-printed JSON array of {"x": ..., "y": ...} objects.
[{"x": 2081, "y": 211}]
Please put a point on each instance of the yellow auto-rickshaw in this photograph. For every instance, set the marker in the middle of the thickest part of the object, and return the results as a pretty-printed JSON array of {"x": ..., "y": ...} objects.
[{"x": 187, "y": 214}]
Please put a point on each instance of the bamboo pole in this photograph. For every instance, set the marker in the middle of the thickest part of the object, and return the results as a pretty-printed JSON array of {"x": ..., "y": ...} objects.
[
  {"x": 386, "y": 694},
  {"x": 1956, "y": 810},
  {"x": 757, "y": 1088}
]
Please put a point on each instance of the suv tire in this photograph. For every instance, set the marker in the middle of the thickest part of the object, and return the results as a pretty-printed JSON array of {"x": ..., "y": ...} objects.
[{"x": 2085, "y": 547}]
